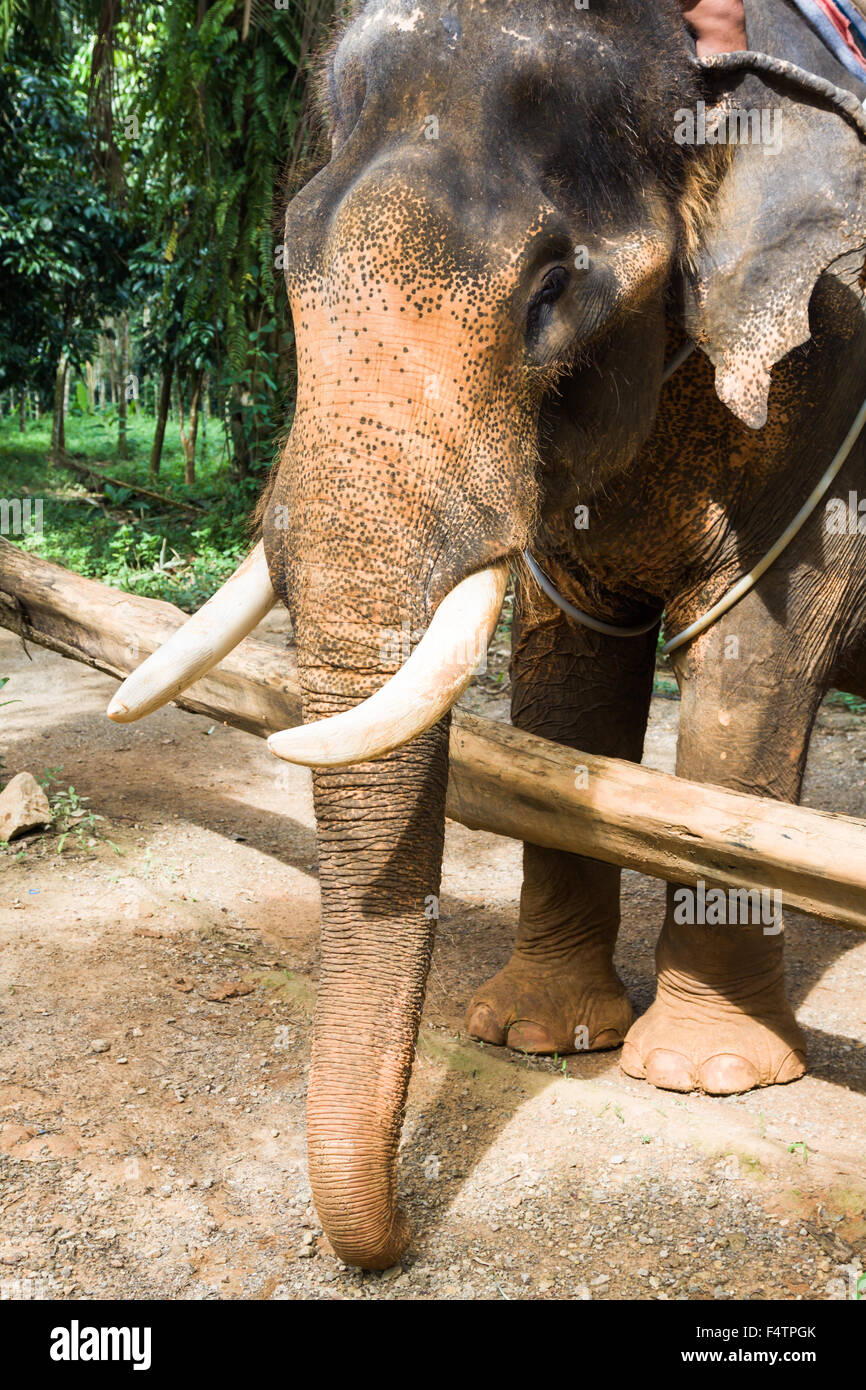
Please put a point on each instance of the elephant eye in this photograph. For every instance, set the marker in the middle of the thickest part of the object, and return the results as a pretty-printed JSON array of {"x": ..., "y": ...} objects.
[{"x": 538, "y": 310}]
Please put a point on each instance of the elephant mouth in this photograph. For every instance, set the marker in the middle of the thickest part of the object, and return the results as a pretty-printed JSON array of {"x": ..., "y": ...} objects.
[{"x": 411, "y": 701}]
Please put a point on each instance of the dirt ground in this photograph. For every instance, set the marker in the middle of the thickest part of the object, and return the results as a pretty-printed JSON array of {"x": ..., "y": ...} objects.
[{"x": 156, "y": 987}]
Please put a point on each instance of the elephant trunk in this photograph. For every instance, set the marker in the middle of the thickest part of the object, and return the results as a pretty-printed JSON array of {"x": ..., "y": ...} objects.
[
  {"x": 380, "y": 845},
  {"x": 380, "y": 836}
]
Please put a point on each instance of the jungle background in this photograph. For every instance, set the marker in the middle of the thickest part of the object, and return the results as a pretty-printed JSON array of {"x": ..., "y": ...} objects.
[{"x": 147, "y": 152}]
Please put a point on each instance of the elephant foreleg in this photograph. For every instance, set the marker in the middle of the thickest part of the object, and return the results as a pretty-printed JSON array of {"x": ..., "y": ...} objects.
[
  {"x": 559, "y": 992},
  {"x": 721, "y": 1021}
]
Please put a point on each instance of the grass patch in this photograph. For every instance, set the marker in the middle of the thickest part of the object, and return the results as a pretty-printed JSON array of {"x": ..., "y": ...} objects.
[{"x": 130, "y": 542}]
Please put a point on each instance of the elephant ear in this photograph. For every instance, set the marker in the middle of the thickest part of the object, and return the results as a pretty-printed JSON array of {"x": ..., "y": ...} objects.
[{"x": 784, "y": 212}]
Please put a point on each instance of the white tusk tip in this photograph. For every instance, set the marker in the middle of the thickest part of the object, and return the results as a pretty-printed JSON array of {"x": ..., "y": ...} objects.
[
  {"x": 119, "y": 712},
  {"x": 282, "y": 745}
]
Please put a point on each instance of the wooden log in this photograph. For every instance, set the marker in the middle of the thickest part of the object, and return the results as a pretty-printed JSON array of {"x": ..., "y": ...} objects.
[
  {"x": 255, "y": 688},
  {"x": 501, "y": 779},
  {"x": 95, "y": 474}
]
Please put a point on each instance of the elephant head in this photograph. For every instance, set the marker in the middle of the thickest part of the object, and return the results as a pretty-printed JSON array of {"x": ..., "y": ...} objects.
[
  {"x": 498, "y": 230},
  {"x": 443, "y": 271}
]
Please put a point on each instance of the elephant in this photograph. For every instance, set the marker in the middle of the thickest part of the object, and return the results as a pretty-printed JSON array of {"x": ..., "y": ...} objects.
[{"x": 517, "y": 230}]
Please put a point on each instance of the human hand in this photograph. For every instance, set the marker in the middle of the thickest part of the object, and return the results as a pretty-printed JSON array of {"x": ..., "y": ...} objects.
[{"x": 719, "y": 26}]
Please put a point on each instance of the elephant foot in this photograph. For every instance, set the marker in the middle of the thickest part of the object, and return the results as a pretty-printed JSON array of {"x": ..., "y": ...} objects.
[
  {"x": 720, "y": 1040},
  {"x": 555, "y": 1009}
]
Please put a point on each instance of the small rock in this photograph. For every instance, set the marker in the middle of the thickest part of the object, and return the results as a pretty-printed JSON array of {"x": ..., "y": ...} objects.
[
  {"x": 100, "y": 1045},
  {"x": 617, "y": 1158},
  {"x": 23, "y": 807},
  {"x": 232, "y": 989}
]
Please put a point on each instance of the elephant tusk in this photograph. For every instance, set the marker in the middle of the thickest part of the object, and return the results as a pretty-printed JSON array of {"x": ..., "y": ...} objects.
[
  {"x": 209, "y": 635},
  {"x": 420, "y": 693}
]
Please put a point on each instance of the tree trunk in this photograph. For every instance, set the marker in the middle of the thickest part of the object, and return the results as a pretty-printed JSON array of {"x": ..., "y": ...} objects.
[
  {"x": 22, "y": 410},
  {"x": 111, "y": 353},
  {"x": 58, "y": 427},
  {"x": 122, "y": 445},
  {"x": 187, "y": 438},
  {"x": 241, "y": 457},
  {"x": 205, "y": 414},
  {"x": 161, "y": 417}
]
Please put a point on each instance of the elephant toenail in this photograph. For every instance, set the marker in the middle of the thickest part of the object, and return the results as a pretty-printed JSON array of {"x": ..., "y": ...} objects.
[
  {"x": 670, "y": 1071},
  {"x": 792, "y": 1068},
  {"x": 481, "y": 1022},
  {"x": 631, "y": 1061},
  {"x": 727, "y": 1075},
  {"x": 531, "y": 1037}
]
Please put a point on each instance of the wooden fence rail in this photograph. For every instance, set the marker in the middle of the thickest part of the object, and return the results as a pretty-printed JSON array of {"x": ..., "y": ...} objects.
[{"x": 501, "y": 779}]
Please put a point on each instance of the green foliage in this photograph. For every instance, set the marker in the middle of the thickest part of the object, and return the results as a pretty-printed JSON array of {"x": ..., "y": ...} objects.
[
  {"x": 131, "y": 543},
  {"x": 854, "y": 703},
  {"x": 145, "y": 150},
  {"x": 223, "y": 115},
  {"x": 70, "y": 814},
  {"x": 62, "y": 241}
]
